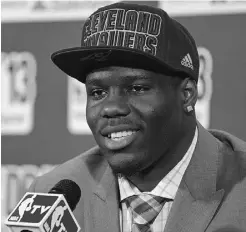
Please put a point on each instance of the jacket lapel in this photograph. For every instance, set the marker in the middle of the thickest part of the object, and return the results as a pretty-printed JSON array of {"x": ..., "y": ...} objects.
[
  {"x": 189, "y": 214},
  {"x": 197, "y": 199},
  {"x": 105, "y": 203}
]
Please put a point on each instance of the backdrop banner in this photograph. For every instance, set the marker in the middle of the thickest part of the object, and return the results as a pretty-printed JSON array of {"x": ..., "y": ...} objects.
[{"x": 43, "y": 110}]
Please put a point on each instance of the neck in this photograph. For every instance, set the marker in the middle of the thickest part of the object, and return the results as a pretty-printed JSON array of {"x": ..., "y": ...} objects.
[{"x": 151, "y": 176}]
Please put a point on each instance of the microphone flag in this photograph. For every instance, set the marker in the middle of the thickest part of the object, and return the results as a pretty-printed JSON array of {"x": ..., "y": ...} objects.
[{"x": 42, "y": 212}]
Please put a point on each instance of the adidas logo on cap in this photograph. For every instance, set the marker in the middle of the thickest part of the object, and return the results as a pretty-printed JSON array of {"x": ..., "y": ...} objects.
[{"x": 187, "y": 61}]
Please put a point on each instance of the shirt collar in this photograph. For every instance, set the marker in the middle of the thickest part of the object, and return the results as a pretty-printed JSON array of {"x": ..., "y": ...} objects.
[{"x": 168, "y": 186}]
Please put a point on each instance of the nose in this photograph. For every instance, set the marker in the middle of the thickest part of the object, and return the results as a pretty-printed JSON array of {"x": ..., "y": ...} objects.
[{"x": 115, "y": 106}]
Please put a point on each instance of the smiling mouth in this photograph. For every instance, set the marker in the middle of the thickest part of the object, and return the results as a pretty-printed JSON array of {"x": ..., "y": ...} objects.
[
  {"x": 121, "y": 135},
  {"x": 120, "y": 140}
]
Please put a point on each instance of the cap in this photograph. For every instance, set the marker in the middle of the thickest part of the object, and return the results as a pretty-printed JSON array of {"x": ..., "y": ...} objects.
[{"x": 133, "y": 35}]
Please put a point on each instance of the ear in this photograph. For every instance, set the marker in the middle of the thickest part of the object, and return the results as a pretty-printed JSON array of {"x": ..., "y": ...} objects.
[{"x": 189, "y": 94}]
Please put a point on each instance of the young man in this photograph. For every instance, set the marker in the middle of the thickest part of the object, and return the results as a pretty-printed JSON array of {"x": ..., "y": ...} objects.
[{"x": 155, "y": 167}]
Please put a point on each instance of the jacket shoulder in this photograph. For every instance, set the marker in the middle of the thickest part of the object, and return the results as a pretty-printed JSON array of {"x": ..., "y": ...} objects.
[
  {"x": 76, "y": 169},
  {"x": 233, "y": 141},
  {"x": 233, "y": 150}
]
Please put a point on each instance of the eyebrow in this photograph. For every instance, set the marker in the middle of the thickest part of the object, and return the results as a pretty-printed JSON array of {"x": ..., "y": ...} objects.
[{"x": 98, "y": 80}]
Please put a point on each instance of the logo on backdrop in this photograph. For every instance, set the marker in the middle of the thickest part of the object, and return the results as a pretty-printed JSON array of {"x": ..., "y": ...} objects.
[
  {"x": 129, "y": 29},
  {"x": 16, "y": 180},
  {"x": 76, "y": 108},
  {"x": 205, "y": 87},
  {"x": 18, "y": 91}
]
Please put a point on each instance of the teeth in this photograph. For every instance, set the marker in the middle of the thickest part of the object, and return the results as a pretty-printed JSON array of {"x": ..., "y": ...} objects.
[{"x": 118, "y": 135}]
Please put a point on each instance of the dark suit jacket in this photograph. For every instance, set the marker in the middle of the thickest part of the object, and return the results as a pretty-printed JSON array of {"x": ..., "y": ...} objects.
[{"x": 211, "y": 196}]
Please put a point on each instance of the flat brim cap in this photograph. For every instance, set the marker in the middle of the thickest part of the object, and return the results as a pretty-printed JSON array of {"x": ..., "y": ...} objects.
[{"x": 131, "y": 35}]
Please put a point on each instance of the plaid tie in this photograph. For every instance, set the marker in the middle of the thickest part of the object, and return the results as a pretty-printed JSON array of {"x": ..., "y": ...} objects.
[{"x": 145, "y": 209}]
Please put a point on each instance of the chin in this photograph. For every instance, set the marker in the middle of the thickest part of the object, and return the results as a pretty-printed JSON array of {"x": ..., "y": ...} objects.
[{"x": 127, "y": 166}]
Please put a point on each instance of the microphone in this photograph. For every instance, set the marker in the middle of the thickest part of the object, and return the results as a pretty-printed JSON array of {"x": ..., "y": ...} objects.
[{"x": 47, "y": 212}]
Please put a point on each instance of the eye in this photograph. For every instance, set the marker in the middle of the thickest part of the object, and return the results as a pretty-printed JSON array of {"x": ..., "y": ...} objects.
[
  {"x": 97, "y": 93},
  {"x": 139, "y": 89}
]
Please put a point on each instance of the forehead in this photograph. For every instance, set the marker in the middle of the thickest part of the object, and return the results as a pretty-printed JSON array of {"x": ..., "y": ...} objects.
[{"x": 120, "y": 74}]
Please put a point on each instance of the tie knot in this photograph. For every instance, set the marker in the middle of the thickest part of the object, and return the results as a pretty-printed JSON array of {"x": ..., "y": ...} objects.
[{"x": 145, "y": 207}]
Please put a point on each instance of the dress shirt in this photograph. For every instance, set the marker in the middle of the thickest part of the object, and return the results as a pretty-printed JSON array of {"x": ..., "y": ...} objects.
[{"x": 166, "y": 188}]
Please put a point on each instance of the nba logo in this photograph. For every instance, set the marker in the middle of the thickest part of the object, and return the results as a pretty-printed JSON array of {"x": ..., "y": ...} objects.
[
  {"x": 42, "y": 212},
  {"x": 32, "y": 208},
  {"x": 18, "y": 92},
  {"x": 76, "y": 108},
  {"x": 205, "y": 87}
]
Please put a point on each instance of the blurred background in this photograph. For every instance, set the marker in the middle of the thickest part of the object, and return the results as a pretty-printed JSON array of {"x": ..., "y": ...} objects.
[{"x": 43, "y": 110}]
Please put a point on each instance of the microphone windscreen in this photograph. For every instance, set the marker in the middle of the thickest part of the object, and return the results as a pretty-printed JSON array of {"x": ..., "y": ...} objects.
[{"x": 70, "y": 190}]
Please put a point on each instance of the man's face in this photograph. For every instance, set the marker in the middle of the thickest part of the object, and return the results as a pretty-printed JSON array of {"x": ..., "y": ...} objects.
[{"x": 135, "y": 116}]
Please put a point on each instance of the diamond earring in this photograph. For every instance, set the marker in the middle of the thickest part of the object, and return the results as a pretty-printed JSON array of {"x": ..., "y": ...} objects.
[{"x": 189, "y": 108}]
